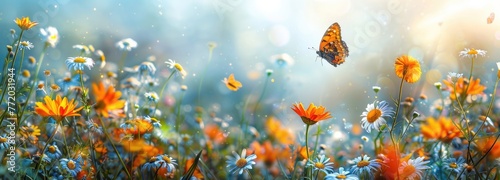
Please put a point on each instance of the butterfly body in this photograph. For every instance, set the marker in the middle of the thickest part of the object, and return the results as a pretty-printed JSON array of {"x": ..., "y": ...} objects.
[{"x": 332, "y": 48}]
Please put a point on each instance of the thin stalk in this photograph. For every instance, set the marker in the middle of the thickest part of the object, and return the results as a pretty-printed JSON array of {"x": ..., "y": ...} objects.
[
  {"x": 114, "y": 148},
  {"x": 43, "y": 150},
  {"x": 391, "y": 132},
  {"x": 163, "y": 89},
  {"x": 307, "y": 149},
  {"x": 261, "y": 95}
]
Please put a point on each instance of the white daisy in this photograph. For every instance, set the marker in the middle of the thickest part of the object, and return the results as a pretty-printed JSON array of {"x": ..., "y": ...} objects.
[
  {"x": 240, "y": 163},
  {"x": 374, "y": 116},
  {"x": 413, "y": 168},
  {"x": 472, "y": 53}
]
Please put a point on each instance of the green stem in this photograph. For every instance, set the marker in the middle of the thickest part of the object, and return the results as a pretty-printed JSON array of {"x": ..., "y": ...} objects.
[
  {"x": 114, "y": 148},
  {"x": 395, "y": 120},
  {"x": 122, "y": 61},
  {"x": 163, "y": 89},
  {"x": 11, "y": 66},
  {"x": 307, "y": 150},
  {"x": 42, "y": 55},
  {"x": 43, "y": 150},
  {"x": 210, "y": 51},
  {"x": 261, "y": 95}
]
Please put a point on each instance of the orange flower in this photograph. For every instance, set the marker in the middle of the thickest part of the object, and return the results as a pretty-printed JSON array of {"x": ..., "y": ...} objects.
[
  {"x": 25, "y": 23},
  {"x": 279, "y": 133},
  {"x": 58, "y": 109},
  {"x": 265, "y": 152},
  {"x": 215, "y": 134},
  {"x": 138, "y": 126},
  {"x": 231, "y": 83},
  {"x": 107, "y": 99},
  {"x": 460, "y": 88},
  {"x": 442, "y": 129},
  {"x": 391, "y": 161},
  {"x": 408, "y": 68},
  {"x": 312, "y": 115},
  {"x": 484, "y": 145}
]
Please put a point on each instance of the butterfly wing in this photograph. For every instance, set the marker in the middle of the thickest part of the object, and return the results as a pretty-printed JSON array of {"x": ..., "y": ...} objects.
[
  {"x": 331, "y": 47},
  {"x": 232, "y": 84}
]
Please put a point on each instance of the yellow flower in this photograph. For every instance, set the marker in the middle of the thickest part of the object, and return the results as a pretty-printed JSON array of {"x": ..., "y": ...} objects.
[
  {"x": 408, "y": 68},
  {"x": 58, "y": 108},
  {"x": 312, "y": 115},
  {"x": 231, "y": 83},
  {"x": 107, "y": 99},
  {"x": 30, "y": 133},
  {"x": 25, "y": 23}
]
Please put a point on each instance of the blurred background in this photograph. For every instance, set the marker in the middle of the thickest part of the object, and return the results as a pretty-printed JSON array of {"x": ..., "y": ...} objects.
[{"x": 249, "y": 34}]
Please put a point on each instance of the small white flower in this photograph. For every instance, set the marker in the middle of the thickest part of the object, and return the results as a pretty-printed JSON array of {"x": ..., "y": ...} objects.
[
  {"x": 26, "y": 45},
  {"x": 453, "y": 77},
  {"x": 472, "y": 53},
  {"x": 237, "y": 163},
  {"x": 126, "y": 44},
  {"x": 50, "y": 36},
  {"x": 177, "y": 67}
]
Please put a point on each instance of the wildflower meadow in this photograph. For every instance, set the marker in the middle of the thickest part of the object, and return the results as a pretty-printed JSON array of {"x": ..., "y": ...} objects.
[{"x": 103, "y": 114}]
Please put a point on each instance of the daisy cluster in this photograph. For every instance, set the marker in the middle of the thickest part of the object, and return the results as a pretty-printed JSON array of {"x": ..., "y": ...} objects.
[{"x": 103, "y": 117}]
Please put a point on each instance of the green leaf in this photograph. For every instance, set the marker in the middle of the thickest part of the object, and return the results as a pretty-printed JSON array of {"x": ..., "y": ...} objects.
[{"x": 191, "y": 170}]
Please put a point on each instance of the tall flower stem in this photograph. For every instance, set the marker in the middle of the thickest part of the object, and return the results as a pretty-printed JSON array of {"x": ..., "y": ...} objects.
[
  {"x": 11, "y": 66},
  {"x": 395, "y": 119},
  {"x": 122, "y": 61},
  {"x": 261, "y": 94},
  {"x": 114, "y": 148},
  {"x": 210, "y": 52},
  {"x": 42, "y": 55},
  {"x": 462, "y": 99},
  {"x": 45, "y": 148},
  {"x": 163, "y": 89},
  {"x": 307, "y": 150}
]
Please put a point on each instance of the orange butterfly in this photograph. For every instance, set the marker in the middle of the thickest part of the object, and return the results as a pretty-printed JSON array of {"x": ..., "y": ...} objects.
[
  {"x": 331, "y": 47},
  {"x": 231, "y": 83},
  {"x": 490, "y": 18}
]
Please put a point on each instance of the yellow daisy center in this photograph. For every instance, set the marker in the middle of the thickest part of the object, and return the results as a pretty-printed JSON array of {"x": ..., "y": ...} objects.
[
  {"x": 242, "y": 162},
  {"x": 341, "y": 176},
  {"x": 71, "y": 165},
  {"x": 178, "y": 67},
  {"x": 453, "y": 165},
  {"x": 472, "y": 51},
  {"x": 153, "y": 159},
  {"x": 26, "y": 73},
  {"x": 319, "y": 165},
  {"x": 167, "y": 159},
  {"x": 373, "y": 115},
  {"x": 363, "y": 163},
  {"x": 79, "y": 60},
  {"x": 24, "y": 43},
  {"x": 2, "y": 139},
  {"x": 52, "y": 149}
]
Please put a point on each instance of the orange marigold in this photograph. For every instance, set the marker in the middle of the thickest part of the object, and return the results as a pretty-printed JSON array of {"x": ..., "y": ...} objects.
[
  {"x": 460, "y": 88},
  {"x": 442, "y": 129},
  {"x": 312, "y": 114},
  {"x": 484, "y": 145},
  {"x": 58, "y": 108},
  {"x": 25, "y": 23},
  {"x": 279, "y": 133},
  {"x": 408, "y": 68},
  {"x": 107, "y": 99}
]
